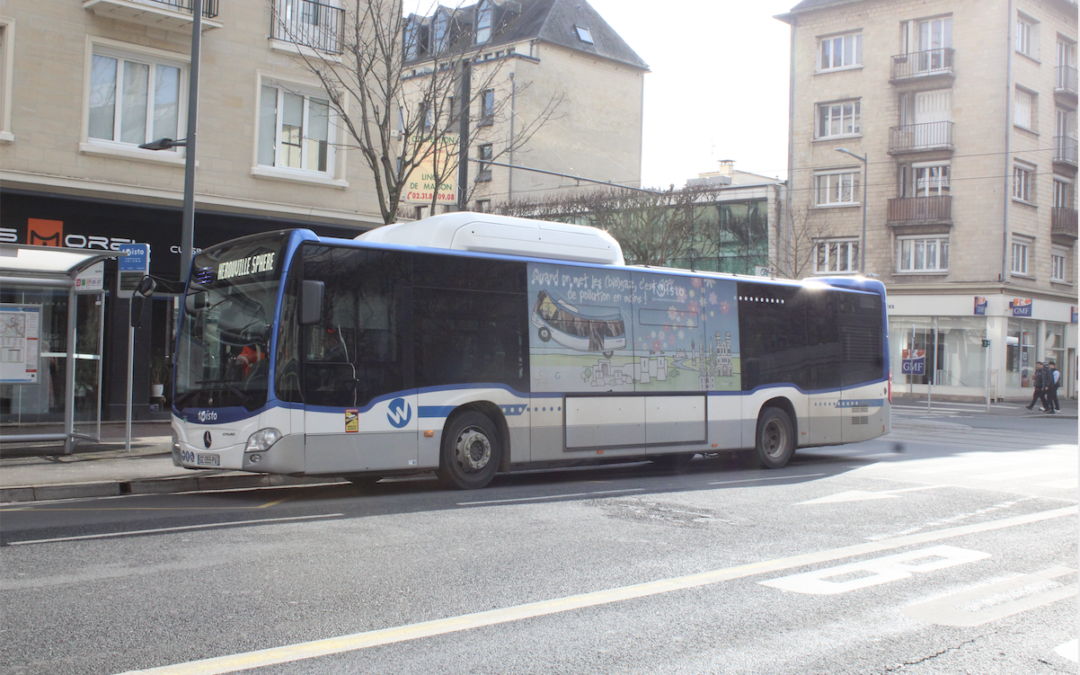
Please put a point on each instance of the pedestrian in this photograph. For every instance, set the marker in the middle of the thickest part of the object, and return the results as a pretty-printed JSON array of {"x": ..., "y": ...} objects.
[
  {"x": 1053, "y": 379},
  {"x": 1037, "y": 382}
]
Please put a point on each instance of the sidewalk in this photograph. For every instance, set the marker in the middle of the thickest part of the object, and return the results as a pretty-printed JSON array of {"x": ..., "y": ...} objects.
[
  {"x": 40, "y": 471},
  {"x": 35, "y": 472}
]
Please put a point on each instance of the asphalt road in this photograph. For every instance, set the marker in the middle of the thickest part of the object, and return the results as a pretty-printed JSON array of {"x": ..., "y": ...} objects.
[{"x": 948, "y": 547}]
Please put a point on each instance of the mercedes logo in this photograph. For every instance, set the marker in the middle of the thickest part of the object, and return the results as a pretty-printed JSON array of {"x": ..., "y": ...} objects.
[{"x": 206, "y": 439}]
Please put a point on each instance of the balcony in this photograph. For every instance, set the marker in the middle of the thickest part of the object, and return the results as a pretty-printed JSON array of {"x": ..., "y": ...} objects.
[
  {"x": 920, "y": 211},
  {"x": 932, "y": 64},
  {"x": 166, "y": 14},
  {"x": 1063, "y": 223},
  {"x": 1065, "y": 151},
  {"x": 309, "y": 24},
  {"x": 920, "y": 137},
  {"x": 1065, "y": 83}
]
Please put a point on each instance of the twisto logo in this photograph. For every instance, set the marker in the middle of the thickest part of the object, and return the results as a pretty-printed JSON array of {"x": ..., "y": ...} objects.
[
  {"x": 400, "y": 413},
  {"x": 207, "y": 415}
]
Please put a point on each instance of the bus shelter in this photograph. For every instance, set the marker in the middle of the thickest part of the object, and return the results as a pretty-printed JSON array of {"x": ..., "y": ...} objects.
[{"x": 51, "y": 336}]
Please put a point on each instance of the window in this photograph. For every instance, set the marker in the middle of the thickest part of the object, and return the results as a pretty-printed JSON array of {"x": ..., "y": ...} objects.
[
  {"x": 837, "y": 255},
  {"x": 1057, "y": 264},
  {"x": 1020, "y": 248},
  {"x": 440, "y": 35},
  {"x": 294, "y": 130},
  {"x": 840, "y": 51},
  {"x": 1026, "y": 36},
  {"x": 584, "y": 34},
  {"x": 6, "y": 50},
  {"x": 835, "y": 188},
  {"x": 1023, "y": 181},
  {"x": 924, "y": 254},
  {"x": 484, "y": 153},
  {"x": 483, "y": 22},
  {"x": 487, "y": 107},
  {"x": 483, "y": 206},
  {"x": 838, "y": 119},
  {"x": 1024, "y": 109},
  {"x": 426, "y": 116},
  {"x": 411, "y": 38},
  {"x": 134, "y": 99},
  {"x": 1062, "y": 192},
  {"x": 930, "y": 180}
]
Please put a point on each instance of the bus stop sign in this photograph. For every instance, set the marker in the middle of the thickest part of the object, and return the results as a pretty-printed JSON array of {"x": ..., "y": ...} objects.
[{"x": 132, "y": 267}]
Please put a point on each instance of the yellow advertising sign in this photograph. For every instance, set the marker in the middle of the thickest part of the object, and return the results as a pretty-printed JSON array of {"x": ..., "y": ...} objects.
[{"x": 421, "y": 185}]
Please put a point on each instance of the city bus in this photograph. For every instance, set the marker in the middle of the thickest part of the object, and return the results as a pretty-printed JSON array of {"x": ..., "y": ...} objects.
[{"x": 470, "y": 344}]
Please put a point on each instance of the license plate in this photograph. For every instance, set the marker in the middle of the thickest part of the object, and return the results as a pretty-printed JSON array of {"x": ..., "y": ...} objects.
[{"x": 208, "y": 460}]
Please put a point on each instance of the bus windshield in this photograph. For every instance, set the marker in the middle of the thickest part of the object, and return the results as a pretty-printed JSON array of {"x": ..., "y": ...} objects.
[{"x": 223, "y": 355}]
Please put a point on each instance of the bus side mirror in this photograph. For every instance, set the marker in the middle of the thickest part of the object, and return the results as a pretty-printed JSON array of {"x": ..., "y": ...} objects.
[
  {"x": 143, "y": 291},
  {"x": 311, "y": 299}
]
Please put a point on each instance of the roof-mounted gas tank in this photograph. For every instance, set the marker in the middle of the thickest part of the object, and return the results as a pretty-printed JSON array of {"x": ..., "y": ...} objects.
[{"x": 489, "y": 233}]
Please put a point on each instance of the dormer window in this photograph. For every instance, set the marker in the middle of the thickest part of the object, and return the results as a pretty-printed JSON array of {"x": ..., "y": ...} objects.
[
  {"x": 412, "y": 34},
  {"x": 440, "y": 35},
  {"x": 483, "y": 22},
  {"x": 584, "y": 35}
]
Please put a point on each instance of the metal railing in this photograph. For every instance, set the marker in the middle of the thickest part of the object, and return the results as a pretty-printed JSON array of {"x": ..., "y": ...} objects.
[
  {"x": 1066, "y": 79},
  {"x": 915, "y": 137},
  {"x": 210, "y": 7},
  {"x": 1065, "y": 149},
  {"x": 307, "y": 23},
  {"x": 1063, "y": 221},
  {"x": 923, "y": 64},
  {"x": 920, "y": 209}
]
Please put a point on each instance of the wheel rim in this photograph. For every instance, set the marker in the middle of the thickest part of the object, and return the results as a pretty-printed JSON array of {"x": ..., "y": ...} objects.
[
  {"x": 774, "y": 438},
  {"x": 472, "y": 450}
]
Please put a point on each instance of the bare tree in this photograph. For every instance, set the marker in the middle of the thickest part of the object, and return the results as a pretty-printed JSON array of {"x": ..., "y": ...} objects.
[
  {"x": 798, "y": 241},
  {"x": 397, "y": 106}
]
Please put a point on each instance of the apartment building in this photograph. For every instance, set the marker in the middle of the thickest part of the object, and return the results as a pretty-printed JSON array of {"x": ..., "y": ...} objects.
[
  {"x": 86, "y": 82},
  {"x": 527, "y": 53},
  {"x": 948, "y": 127}
]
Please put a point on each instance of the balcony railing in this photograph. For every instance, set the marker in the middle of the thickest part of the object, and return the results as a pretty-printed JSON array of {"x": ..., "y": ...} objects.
[
  {"x": 1063, "y": 221},
  {"x": 917, "y": 137},
  {"x": 1065, "y": 149},
  {"x": 168, "y": 14},
  {"x": 923, "y": 64},
  {"x": 1066, "y": 80},
  {"x": 209, "y": 10},
  {"x": 311, "y": 24},
  {"x": 913, "y": 210}
]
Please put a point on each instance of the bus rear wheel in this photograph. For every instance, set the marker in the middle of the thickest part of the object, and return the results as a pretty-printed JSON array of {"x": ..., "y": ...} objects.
[
  {"x": 471, "y": 452},
  {"x": 775, "y": 438}
]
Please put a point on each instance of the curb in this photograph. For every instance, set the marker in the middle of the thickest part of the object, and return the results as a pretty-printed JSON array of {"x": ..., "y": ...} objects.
[{"x": 150, "y": 486}]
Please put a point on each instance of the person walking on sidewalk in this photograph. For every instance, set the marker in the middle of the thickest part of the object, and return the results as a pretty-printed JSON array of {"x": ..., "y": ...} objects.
[
  {"x": 1038, "y": 381},
  {"x": 1053, "y": 379}
]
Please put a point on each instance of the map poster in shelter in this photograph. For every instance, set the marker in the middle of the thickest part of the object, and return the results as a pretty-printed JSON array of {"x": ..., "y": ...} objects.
[
  {"x": 20, "y": 329},
  {"x": 597, "y": 330}
]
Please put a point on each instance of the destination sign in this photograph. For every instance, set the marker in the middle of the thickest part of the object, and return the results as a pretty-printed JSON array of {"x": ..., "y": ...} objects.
[{"x": 230, "y": 269}]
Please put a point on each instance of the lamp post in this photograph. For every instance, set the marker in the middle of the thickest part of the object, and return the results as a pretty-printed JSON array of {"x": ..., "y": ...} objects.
[
  {"x": 187, "y": 223},
  {"x": 866, "y": 176}
]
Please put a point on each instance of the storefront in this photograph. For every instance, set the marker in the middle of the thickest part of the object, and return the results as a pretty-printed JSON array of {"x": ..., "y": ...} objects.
[
  {"x": 968, "y": 346},
  {"x": 55, "y": 220}
]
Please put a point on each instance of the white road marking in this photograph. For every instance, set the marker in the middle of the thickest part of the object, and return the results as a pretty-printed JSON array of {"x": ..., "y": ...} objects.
[
  {"x": 984, "y": 604},
  {"x": 346, "y": 643},
  {"x": 160, "y": 530},
  {"x": 1068, "y": 650},
  {"x": 533, "y": 499},
  {"x": 876, "y": 571},
  {"x": 755, "y": 480},
  {"x": 864, "y": 495}
]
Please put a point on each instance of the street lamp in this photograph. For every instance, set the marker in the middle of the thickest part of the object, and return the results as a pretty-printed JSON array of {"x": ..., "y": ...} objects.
[
  {"x": 866, "y": 176},
  {"x": 187, "y": 224}
]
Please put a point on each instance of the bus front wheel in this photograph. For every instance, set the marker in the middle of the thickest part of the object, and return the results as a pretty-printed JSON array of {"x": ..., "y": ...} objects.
[
  {"x": 471, "y": 451},
  {"x": 775, "y": 438}
]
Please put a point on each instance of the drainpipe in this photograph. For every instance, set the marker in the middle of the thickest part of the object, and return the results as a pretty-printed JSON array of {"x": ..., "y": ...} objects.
[
  {"x": 513, "y": 98},
  {"x": 791, "y": 153},
  {"x": 1008, "y": 143}
]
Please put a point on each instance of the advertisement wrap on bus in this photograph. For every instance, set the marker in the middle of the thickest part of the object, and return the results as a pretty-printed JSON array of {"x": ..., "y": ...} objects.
[{"x": 472, "y": 344}]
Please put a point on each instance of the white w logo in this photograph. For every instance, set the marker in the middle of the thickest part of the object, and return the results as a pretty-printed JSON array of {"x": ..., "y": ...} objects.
[{"x": 400, "y": 413}]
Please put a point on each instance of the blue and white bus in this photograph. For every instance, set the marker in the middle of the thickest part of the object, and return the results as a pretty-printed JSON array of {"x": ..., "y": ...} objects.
[{"x": 470, "y": 344}]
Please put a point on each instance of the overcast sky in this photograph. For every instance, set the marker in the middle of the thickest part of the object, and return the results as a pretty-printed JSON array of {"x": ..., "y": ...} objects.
[{"x": 718, "y": 86}]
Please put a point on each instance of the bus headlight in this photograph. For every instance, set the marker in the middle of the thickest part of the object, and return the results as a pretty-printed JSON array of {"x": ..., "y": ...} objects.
[
  {"x": 176, "y": 449},
  {"x": 261, "y": 440}
]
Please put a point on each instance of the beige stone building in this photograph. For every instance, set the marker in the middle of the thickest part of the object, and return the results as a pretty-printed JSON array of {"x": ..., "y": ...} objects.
[
  {"x": 957, "y": 121},
  {"x": 526, "y": 54},
  {"x": 84, "y": 83}
]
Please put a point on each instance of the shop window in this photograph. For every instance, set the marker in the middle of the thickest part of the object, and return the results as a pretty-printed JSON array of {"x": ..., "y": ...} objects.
[{"x": 1020, "y": 353}]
